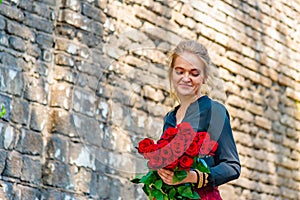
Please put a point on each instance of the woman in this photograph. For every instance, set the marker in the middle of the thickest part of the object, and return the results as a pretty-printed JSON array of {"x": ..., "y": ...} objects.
[{"x": 189, "y": 70}]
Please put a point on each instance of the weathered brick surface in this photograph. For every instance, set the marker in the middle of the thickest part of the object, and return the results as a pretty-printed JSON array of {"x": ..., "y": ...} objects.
[{"x": 84, "y": 81}]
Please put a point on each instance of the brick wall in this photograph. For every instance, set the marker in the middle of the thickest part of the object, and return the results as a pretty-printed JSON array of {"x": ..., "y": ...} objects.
[{"x": 84, "y": 81}]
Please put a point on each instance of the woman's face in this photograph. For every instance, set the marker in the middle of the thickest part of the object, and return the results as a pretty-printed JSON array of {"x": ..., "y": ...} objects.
[{"x": 188, "y": 75}]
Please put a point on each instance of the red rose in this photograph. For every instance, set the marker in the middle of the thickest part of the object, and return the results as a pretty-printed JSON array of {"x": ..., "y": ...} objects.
[
  {"x": 214, "y": 146},
  {"x": 169, "y": 133},
  {"x": 146, "y": 145},
  {"x": 193, "y": 149},
  {"x": 161, "y": 143},
  {"x": 172, "y": 163},
  {"x": 155, "y": 160},
  {"x": 177, "y": 146},
  {"x": 185, "y": 128},
  {"x": 185, "y": 162},
  {"x": 166, "y": 152},
  {"x": 150, "y": 150},
  {"x": 200, "y": 137},
  {"x": 186, "y": 131},
  {"x": 208, "y": 147}
]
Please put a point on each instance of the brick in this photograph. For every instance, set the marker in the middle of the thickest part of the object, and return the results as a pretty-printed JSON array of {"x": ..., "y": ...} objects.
[
  {"x": 255, "y": 109},
  {"x": 63, "y": 123},
  {"x": 151, "y": 93},
  {"x": 93, "y": 12},
  {"x": 73, "y": 5},
  {"x": 41, "y": 68},
  {"x": 33, "y": 50},
  {"x": 56, "y": 148},
  {"x": 38, "y": 118},
  {"x": 38, "y": 23},
  {"x": 81, "y": 179},
  {"x": 100, "y": 185},
  {"x": 83, "y": 132},
  {"x": 61, "y": 96},
  {"x": 12, "y": 81},
  {"x": 157, "y": 32},
  {"x": 44, "y": 40},
  {"x": 178, "y": 17},
  {"x": 96, "y": 28},
  {"x": 2, "y": 23},
  {"x": 292, "y": 94},
  {"x": 56, "y": 174},
  {"x": 30, "y": 143},
  {"x": 75, "y": 19},
  {"x": 45, "y": 12},
  {"x": 236, "y": 101},
  {"x": 11, "y": 12},
  {"x": 262, "y": 122},
  {"x": 232, "y": 88},
  {"x": 47, "y": 56},
  {"x": 20, "y": 30},
  {"x": 64, "y": 60},
  {"x": 3, "y": 156},
  {"x": 114, "y": 52},
  {"x": 3, "y": 40},
  {"x": 67, "y": 46},
  {"x": 17, "y": 43},
  {"x": 14, "y": 165},
  {"x": 84, "y": 102},
  {"x": 32, "y": 170},
  {"x": 81, "y": 156},
  {"x": 36, "y": 90},
  {"x": 26, "y": 5}
]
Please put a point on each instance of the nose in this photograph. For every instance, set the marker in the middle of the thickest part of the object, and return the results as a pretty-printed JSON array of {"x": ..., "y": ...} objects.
[{"x": 186, "y": 76}]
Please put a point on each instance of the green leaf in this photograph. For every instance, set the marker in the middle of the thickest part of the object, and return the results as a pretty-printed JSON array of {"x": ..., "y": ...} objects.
[
  {"x": 135, "y": 180},
  {"x": 186, "y": 191},
  {"x": 0, "y": 1},
  {"x": 148, "y": 178},
  {"x": 146, "y": 189},
  {"x": 158, "y": 184},
  {"x": 179, "y": 176},
  {"x": 172, "y": 193},
  {"x": 158, "y": 194},
  {"x": 3, "y": 111},
  {"x": 195, "y": 195},
  {"x": 202, "y": 166}
]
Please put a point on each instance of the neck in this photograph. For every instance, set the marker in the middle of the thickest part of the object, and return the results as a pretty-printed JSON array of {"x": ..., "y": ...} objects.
[{"x": 185, "y": 101}]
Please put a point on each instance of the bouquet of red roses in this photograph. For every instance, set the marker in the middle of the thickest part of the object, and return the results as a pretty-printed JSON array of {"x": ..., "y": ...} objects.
[{"x": 179, "y": 149}]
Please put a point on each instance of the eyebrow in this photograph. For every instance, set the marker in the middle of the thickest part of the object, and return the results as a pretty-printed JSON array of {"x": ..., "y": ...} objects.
[{"x": 193, "y": 69}]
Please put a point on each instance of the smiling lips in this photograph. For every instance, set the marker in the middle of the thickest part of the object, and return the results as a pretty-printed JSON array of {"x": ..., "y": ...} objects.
[{"x": 185, "y": 85}]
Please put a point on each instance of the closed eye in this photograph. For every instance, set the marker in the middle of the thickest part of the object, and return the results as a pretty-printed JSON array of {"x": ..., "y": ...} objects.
[{"x": 193, "y": 72}]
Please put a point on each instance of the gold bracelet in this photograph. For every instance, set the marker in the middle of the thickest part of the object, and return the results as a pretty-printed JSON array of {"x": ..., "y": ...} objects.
[{"x": 200, "y": 180}]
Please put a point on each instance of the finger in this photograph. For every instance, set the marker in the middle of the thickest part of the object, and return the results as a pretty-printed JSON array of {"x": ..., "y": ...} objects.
[{"x": 168, "y": 172}]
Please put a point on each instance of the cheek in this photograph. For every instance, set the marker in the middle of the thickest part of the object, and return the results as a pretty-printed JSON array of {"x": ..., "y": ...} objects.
[
  {"x": 174, "y": 77},
  {"x": 198, "y": 82}
]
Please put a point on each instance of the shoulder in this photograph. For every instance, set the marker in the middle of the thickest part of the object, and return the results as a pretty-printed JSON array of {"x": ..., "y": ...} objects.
[
  {"x": 170, "y": 115},
  {"x": 216, "y": 107}
]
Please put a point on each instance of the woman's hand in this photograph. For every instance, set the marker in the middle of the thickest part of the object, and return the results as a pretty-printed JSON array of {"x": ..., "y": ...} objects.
[{"x": 167, "y": 177}]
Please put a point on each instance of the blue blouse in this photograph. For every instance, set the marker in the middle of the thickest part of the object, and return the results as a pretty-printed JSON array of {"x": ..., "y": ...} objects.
[{"x": 211, "y": 116}]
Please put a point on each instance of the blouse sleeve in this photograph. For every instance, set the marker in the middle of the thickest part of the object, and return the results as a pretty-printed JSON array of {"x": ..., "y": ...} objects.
[{"x": 227, "y": 165}]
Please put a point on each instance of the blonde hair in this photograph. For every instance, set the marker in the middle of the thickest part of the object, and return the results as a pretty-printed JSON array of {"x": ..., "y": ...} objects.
[{"x": 197, "y": 49}]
